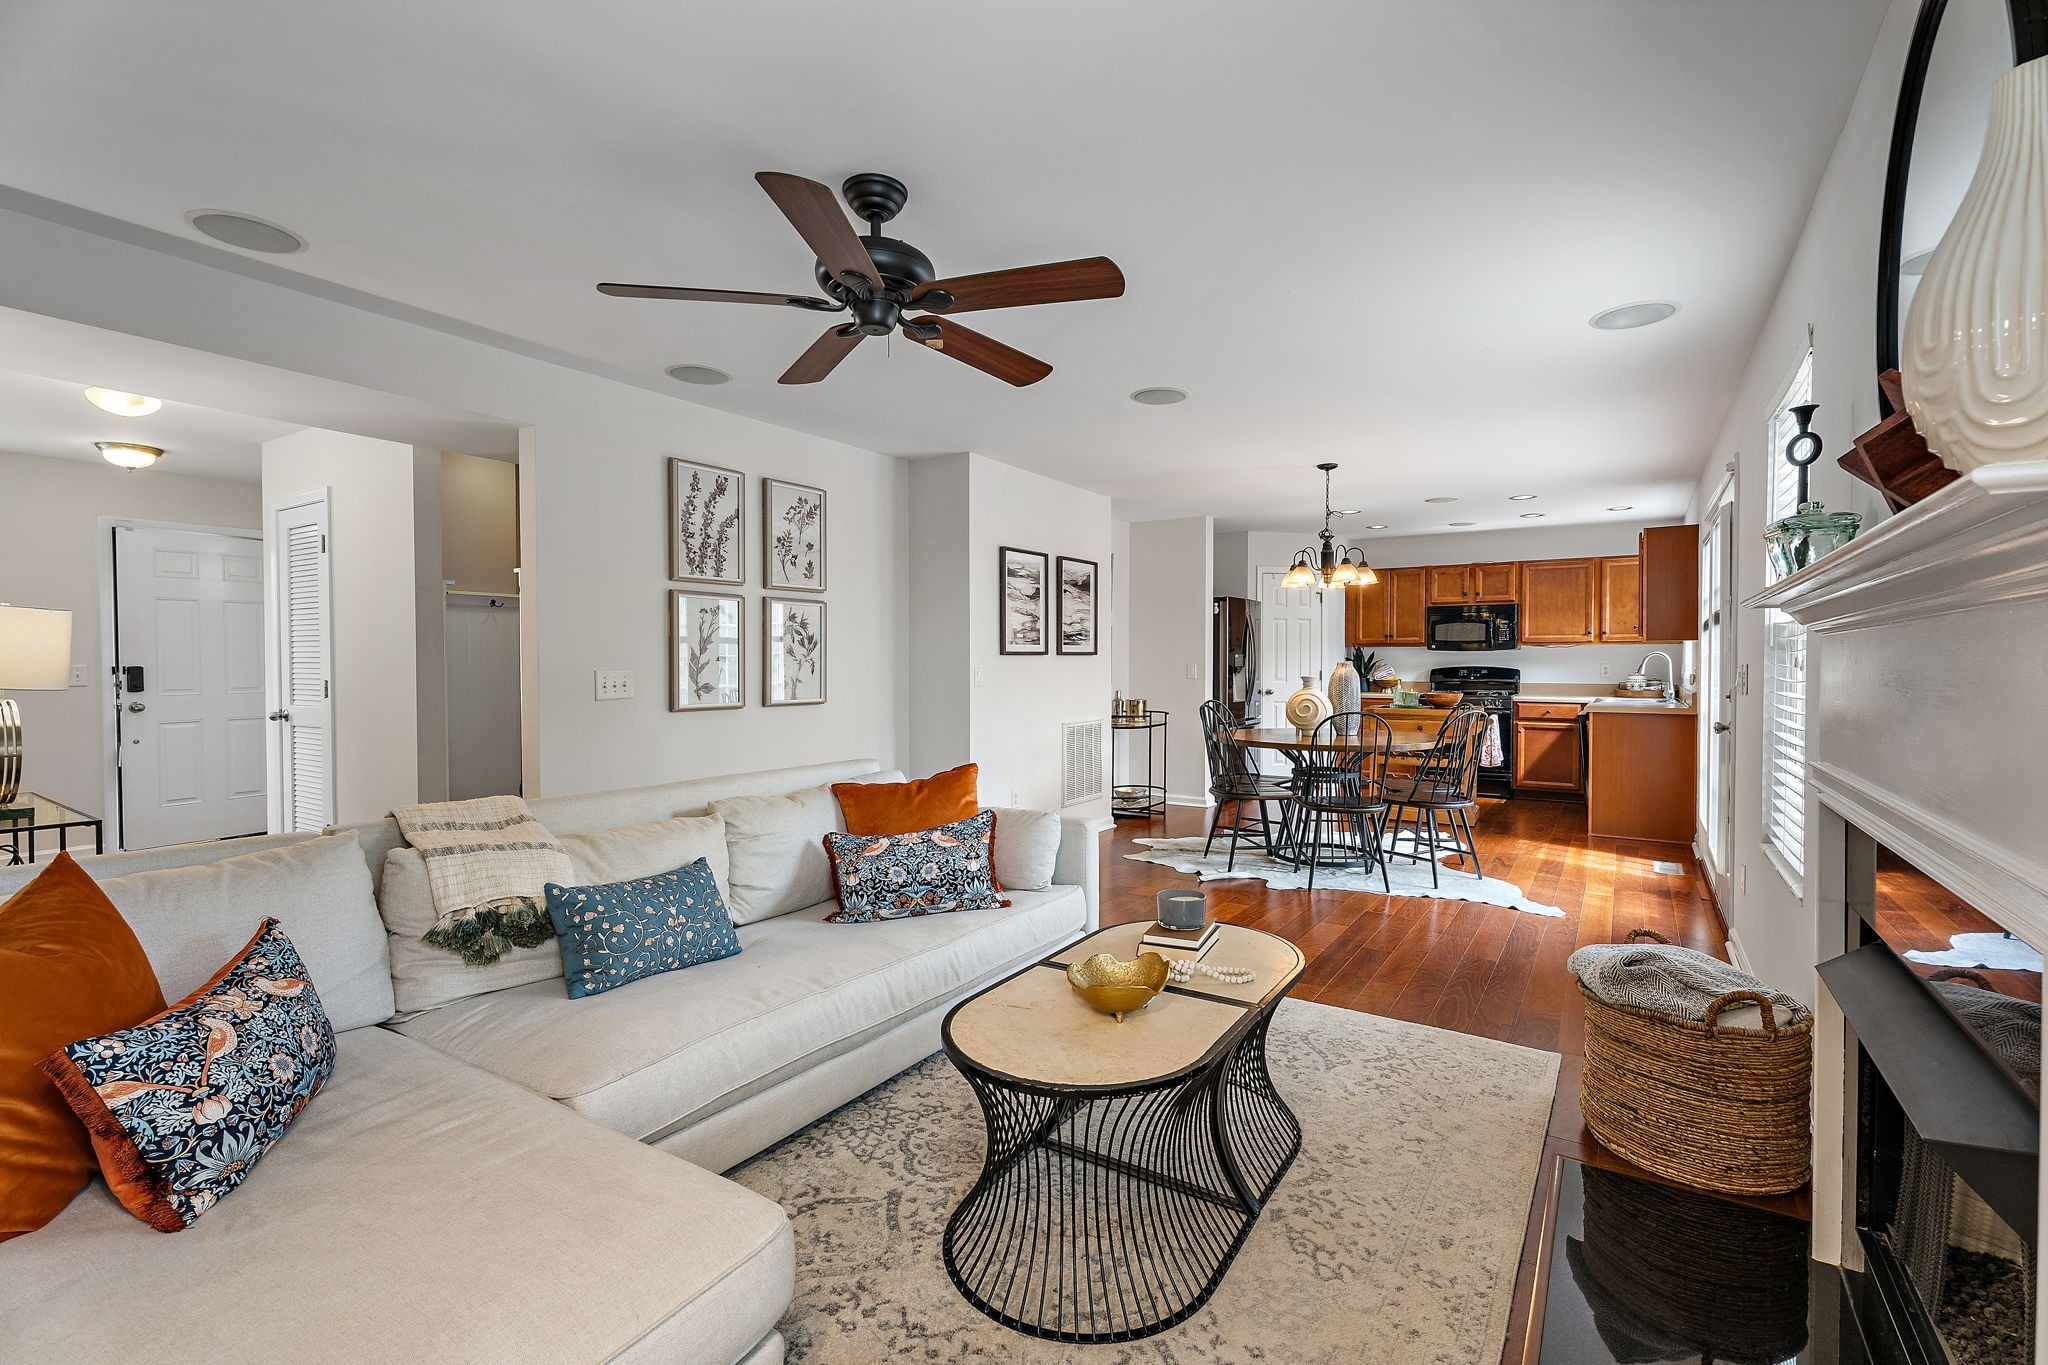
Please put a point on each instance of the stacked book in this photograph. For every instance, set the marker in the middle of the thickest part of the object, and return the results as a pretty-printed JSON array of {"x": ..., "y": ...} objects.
[{"x": 1187, "y": 945}]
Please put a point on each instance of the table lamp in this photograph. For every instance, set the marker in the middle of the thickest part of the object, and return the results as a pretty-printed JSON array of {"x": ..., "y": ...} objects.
[{"x": 35, "y": 656}]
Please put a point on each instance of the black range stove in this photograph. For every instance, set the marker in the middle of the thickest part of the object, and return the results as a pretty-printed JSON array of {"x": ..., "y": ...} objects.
[{"x": 1494, "y": 689}]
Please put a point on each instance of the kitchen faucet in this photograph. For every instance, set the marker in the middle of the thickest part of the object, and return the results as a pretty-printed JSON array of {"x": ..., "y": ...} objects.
[{"x": 1670, "y": 688}]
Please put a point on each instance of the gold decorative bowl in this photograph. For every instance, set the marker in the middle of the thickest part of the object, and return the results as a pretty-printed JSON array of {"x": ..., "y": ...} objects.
[{"x": 1117, "y": 987}]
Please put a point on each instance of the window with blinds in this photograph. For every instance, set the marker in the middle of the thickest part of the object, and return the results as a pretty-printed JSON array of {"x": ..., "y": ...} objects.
[{"x": 1785, "y": 660}]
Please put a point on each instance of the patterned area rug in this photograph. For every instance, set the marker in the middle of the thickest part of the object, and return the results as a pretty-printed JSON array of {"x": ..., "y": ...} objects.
[
  {"x": 1404, "y": 877},
  {"x": 1394, "y": 1237}
]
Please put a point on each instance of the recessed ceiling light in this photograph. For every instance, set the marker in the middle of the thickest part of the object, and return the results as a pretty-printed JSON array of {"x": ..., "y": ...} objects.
[
  {"x": 1346, "y": 512},
  {"x": 1159, "y": 398},
  {"x": 128, "y": 455},
  {"x": 1464, "y": 523},
  {"x": 1520, "y": 497},
  {"x": 1439, "y": 499},
  {"x": 1625, "y": 316},
  {"x": 250, "y": 234},
  {"x": 1916, "y": 264},
  {"x": 1625, "y": 507},
  {"x": 1377, "y": 526},
  {"x": 1530, "y": 516},
  {"x": 698, "y": 374},
  {"x": 123, "y": 404}
]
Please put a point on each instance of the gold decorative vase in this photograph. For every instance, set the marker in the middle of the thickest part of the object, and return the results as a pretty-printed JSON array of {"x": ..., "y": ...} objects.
[{"x": 1116, "y": 987}]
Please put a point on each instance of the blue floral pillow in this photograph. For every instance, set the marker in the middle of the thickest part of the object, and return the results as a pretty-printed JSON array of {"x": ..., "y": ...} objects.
[
  {"x": 182, "y": 1107},
  {"x": 626, "y": 930},
  {"x": 926, "y": 872}
]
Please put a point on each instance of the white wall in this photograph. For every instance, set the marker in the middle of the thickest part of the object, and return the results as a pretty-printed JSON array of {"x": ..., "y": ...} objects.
[
  {"x": 50, "y": 553},
  {"x": 970, "y": 700},
  {"x": 372, "y": 564},
  {"x": 593, "y": 524},
  {"x": 479, "y": 523},
  {"x": 1830, "y": 285},
  {"x": 1120, "y": 601},
  {"x": 1172, "y": 570}
]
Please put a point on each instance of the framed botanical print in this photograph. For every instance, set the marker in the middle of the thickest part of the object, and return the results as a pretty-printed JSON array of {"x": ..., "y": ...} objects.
[
  {"x": 1023, "y": 604},
  {"x": 793, "y": 528},
  {"x": 706, "y": 523},
  {"x": 793, "y": 651},
  {"x": 1077, "y": 604},
  {"x": 707, "y": 651}
]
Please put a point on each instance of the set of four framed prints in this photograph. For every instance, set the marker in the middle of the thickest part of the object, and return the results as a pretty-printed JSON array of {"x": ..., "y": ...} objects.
[{"x": 707, "y": 630}]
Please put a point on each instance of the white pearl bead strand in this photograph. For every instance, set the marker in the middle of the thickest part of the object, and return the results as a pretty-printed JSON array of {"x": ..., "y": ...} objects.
[{"x": 1180, "y": 971}]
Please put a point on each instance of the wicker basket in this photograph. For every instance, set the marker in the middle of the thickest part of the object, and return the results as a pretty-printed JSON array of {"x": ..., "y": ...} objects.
[{"x": 1714, "y": 1108}]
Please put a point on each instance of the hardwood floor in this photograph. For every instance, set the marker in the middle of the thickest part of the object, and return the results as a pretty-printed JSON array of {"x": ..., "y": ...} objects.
[{"x": 1476, "y": 969}]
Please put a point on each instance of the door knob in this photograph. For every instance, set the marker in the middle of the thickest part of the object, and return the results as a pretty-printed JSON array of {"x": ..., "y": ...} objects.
[
  {"x": 280, "y": 715},
  {"x": 1720, "y": 727},
  {"x": 137, "y": 706}
]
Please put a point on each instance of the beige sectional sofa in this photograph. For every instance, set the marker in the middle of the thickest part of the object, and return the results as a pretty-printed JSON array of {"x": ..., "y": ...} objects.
[{"x": 497, "y": 1177}]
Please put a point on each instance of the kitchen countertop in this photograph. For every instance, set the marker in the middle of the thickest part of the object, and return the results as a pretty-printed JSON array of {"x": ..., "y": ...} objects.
[{"x": 1619, "y": 706}]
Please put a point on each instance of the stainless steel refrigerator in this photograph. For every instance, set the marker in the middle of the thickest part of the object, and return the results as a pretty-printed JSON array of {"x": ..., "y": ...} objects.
[{"x": 1234, "y": 656}]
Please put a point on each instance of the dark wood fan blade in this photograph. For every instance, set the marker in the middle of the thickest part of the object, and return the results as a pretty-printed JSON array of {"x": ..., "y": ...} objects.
[
  {"x": 813, "y": 210},
  {"x": 986, "y": 354},
  {"x": 823, "y": 357},
  {"x": 664, "y": 291},
  {"x": 1061, "y": 282}
]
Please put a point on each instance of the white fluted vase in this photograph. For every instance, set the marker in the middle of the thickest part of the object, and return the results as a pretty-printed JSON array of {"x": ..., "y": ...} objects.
[
  {"x": 1345, "y": 694},
  {"x": 1975, "y": 360}
]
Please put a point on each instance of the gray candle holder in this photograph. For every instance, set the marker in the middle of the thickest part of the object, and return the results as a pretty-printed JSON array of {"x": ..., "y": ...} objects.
[{"x": 1180, "y": 908}]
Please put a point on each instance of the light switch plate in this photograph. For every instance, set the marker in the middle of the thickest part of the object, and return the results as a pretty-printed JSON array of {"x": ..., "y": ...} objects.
[
  {"x": 1194, "y": 673},
  {"x": 614, "y": 684},
  {"x": 78, "y": 675}
]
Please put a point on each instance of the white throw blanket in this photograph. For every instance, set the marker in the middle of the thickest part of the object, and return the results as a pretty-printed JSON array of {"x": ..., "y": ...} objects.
[
  {"x": 1669, "y": 980},
  {"x": 488, "y": 864}
]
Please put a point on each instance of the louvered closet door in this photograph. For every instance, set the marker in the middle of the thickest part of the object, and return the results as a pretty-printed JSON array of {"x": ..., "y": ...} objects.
[{"x": 304, "y": 716}]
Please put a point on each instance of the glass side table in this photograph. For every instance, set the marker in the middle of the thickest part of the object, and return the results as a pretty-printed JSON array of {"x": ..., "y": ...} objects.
[{"x": 30, "y": 814}]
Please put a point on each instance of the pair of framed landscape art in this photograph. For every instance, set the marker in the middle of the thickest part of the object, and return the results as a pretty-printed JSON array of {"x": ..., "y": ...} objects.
[
  {"x": 707, "y": 631},
  {"x": 1030, "y": 624}
]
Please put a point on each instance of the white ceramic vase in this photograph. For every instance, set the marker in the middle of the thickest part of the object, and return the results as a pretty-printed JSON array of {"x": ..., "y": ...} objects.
[
  {"x": 1974, "y": 364},
  {"x": 1308, "y": 707}
]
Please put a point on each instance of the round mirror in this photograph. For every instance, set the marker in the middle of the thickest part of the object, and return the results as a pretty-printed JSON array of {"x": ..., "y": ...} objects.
[{"x": 1959, "y": 49}]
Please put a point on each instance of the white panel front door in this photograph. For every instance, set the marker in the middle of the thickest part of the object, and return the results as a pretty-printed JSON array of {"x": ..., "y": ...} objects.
[
  {"x": 304, "y": 695},
  {"x": 188, "y": 637},
  {"x": 1717, "y": 694}
]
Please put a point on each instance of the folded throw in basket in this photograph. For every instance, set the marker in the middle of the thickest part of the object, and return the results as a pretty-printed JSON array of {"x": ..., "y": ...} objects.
[{"x": 1666, "y": 979}]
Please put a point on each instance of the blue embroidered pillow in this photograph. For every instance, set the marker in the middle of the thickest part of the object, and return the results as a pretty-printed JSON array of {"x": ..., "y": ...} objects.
[
  {"x": 182, "y": 1107},
  {"x": 626, "y": 930},
  {"x": 926, "y": 872}
]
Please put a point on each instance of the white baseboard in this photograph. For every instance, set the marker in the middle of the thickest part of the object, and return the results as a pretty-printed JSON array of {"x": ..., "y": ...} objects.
[
  {"x": 1736, "y": 955},
  {"x": 1203, "y": 801}
]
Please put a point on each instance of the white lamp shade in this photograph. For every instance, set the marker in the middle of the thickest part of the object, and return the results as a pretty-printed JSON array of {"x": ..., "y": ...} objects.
[{"x": 35, "y": 649}]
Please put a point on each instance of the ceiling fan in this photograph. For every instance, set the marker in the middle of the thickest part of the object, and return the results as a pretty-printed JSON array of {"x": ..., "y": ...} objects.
[{"x": 876, "y": 278}]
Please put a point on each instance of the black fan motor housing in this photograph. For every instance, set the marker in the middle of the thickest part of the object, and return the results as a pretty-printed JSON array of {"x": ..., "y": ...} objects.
[{"x": 903, "y": 267}]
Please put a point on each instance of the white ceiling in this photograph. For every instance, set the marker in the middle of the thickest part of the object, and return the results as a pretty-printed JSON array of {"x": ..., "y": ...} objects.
[
  {"x": 1362, "y": 230},
  {"x": 51, "y": 417}
]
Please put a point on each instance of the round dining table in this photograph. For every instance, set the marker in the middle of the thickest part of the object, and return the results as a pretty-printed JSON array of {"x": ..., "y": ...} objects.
[
  {"x": 1292, "y": 741},
  {"x": 1291, "y": 845}
]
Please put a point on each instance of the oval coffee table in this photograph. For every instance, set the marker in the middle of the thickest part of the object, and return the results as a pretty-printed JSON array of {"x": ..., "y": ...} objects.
[{"x": 1126, "y": 1162}]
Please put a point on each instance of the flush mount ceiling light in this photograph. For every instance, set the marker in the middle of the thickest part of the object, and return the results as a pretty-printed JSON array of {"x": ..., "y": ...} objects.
[
  {"x": 1623, "y": 317},
  {"x": 1334, "y": 565},
  {"x": 698, "y": 374},
  {"x": 123, "y": 404},
  {"x": 250, "y": 234},
  {"x": 1439, "y": 499},
  {"x": 127, "y": 454},
  {"x": 1530, "y": 516},
  {"x": 1625, "y": 507},
  {"x": 1464, "y": 523},
  {"x": 1159, "y": 398},
  {"x": 1520, "y": 497}
]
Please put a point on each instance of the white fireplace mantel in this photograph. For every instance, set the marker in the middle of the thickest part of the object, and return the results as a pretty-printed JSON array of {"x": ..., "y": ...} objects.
[{"x": 1927, "y": 688}]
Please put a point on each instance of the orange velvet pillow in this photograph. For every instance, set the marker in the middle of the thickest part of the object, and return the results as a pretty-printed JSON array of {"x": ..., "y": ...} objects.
[
  {"x": 905, "y": 807},
  {"x": 70, "y": 968}
]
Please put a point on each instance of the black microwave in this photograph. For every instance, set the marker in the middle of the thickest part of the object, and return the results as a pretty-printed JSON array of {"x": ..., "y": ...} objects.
[{"x": 1494, "y": 626}]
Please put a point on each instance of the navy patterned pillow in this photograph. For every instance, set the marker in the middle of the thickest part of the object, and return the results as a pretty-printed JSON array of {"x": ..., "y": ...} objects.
[
  {"x": 926, "y": 872},
  {"x": 182, "y": 1107},
  {"x": 626, "y": 930}
]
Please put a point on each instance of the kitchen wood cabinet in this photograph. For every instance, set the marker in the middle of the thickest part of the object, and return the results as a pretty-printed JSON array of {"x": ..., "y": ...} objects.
[
  {"x": 1549, "y": 749},
  {"x": 1621, "y": 599},
  {"x": 1459, "y": 585},
  {"x": 1494, "y": 582},
  {"x": 1560, "y": 601},
  {"x": 1389, "y": 612},
  {"x": 1670, "y": 557},
  {"x": 1640, "y": 766}
]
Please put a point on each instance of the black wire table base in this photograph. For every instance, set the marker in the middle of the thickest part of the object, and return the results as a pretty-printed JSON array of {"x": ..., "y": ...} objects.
[{"x": 1109, "y": 1216}]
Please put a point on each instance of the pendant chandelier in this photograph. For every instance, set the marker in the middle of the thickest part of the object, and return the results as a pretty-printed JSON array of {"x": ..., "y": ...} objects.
[{"x": 1332, "y": 565}]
